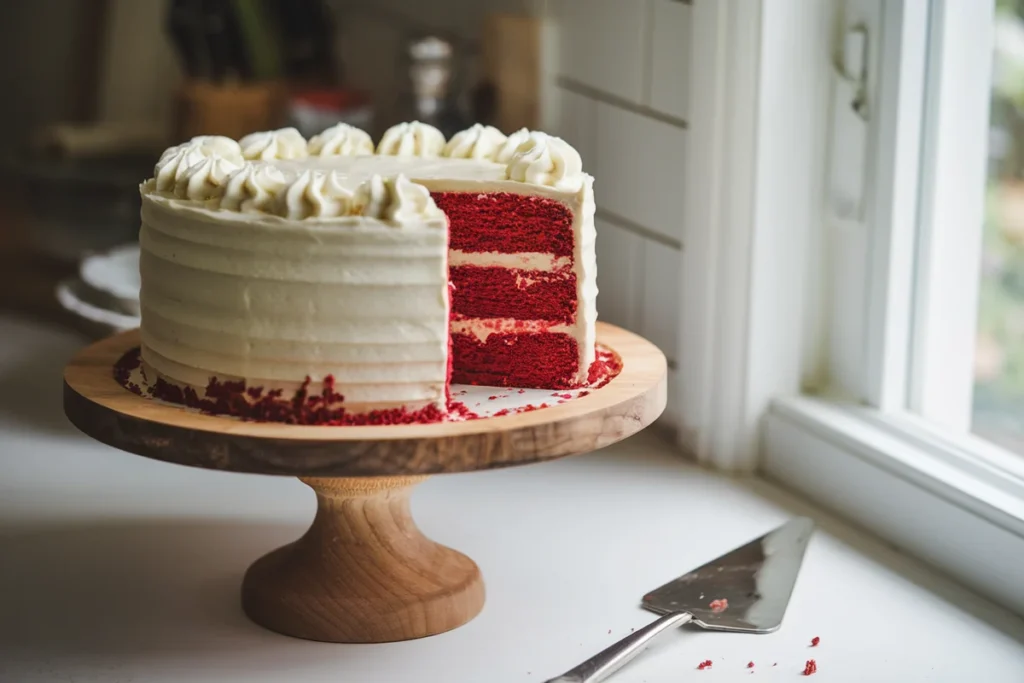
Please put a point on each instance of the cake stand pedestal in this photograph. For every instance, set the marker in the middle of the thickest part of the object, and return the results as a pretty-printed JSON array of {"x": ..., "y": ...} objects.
[{"x": 363, "y": 572}]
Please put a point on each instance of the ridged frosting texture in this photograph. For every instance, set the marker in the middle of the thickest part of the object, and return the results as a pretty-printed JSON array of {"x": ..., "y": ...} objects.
[
  {"x": 315, "y": 194},
  {"x": 284, "y": 143},
  {"x": 413, "y": 139},
  {"x": 340, "y": 140},
  {"x": 276, "y": 302},
  {"x": 511, "y": 144},
  {"x": 476, "y": 142},
  {"x": 175, "y": 161},
  {"x": 546, "y": 160},
  {"x": 396, "y": 199},
  {"x": 205, "y": 180},
  {"x": 253, "y": 187}
]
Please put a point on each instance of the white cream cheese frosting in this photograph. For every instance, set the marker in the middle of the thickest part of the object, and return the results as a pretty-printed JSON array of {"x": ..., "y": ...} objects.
[
  {"x": 511, "y": 144},
  {"x": 285, "y": 143},
  {"x": 412, "y": 139},
  {"x": 272, "y": 259},
  {"x": 476, "y": 142},
  {"x": 546, "y": 160},
  {"x": 341, "y": 140},
  {"x": 206, "y": 179},
  {"x": 317, "y": 194},
  {"x": 397, "y": 200},
  {"x": 253, "y": 187},
  {"x": 175, "y": 161}
]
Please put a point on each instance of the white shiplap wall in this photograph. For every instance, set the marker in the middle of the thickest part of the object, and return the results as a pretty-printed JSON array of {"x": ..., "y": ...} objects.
[{"x": 616, "y": 89}]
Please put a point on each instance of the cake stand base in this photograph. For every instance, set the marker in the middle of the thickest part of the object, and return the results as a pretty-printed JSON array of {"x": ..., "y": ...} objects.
[{"x": 363, "y": 572}]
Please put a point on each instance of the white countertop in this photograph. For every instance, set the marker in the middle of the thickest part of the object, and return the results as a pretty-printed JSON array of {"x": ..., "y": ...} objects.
[{"x": 114, "y": 568}]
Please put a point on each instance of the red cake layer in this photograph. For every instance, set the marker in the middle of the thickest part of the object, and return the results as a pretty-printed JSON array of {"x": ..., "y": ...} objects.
[
  {"x": 491, "y": 292},
  {"x": 544, "y": 360},
  {"x": 506, "y": 223}
]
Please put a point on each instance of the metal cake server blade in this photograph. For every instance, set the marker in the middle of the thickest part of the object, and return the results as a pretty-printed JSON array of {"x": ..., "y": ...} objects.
[{"x": 744, "y": 591}]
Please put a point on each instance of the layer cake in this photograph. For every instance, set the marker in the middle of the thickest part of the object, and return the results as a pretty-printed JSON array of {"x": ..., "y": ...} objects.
[{"x": 334, "y": 281}]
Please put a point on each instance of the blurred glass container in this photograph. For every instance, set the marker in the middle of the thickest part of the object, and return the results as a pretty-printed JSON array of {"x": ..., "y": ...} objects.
[
  {"x": 430, "y": 72},
  {"x": 430, "y": 97}
]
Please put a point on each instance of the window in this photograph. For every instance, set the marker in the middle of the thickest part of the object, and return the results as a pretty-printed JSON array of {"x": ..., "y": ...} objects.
[
  {"x": 998, "y": 404},
  {"x": 857, "y": 332}
]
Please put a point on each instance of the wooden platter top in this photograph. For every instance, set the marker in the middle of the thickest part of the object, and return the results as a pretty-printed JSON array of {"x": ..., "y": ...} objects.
[{"x": 106, "y": 411}]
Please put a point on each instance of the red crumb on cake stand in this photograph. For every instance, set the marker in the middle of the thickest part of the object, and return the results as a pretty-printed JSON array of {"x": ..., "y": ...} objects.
[{"x": 327, "y": 408}]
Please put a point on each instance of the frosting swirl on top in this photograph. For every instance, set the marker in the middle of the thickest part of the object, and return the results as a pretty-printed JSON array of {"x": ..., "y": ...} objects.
[
  {"x": 176, "y": 160},
  {"x": 546, "y": 160},
  {"x": 253, "y": 187},
  {"x": 396, "y": 199},
  {"x": 284, "y": 143},
  {"x": 315, "y": 194},
  {"x": 511, "y": 144},
  {"x": 218, "y": 145},
  {"x": 341, "y": 140},
  {"x": 413, "y": 139},
  {"x": 476, "y": 142},
  {"x": 204, "y": 180},
  {"x": 173, "y": 163}
]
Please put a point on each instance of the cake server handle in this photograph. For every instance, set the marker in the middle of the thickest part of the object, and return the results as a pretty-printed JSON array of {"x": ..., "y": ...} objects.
[{"x": 611, "y": 659}]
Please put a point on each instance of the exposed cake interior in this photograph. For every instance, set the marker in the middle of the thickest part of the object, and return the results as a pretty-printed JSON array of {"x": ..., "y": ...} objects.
[{"x": 512, "y": 267}]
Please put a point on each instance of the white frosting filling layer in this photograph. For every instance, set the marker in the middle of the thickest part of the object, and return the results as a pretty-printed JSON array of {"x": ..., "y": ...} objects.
[{"x": 527, "y": 260}]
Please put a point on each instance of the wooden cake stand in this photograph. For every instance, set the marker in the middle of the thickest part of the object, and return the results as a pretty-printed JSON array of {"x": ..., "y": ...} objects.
[{"x": 363, "y": 572}]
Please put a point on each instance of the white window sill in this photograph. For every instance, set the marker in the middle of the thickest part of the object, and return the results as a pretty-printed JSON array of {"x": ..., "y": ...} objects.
[
  {"x": 114, "y": 566},
  {"x": 892, "y": 476}
]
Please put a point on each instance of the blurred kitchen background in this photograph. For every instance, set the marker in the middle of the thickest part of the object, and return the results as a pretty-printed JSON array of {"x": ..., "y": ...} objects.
[{"x": 96, "y": 89}]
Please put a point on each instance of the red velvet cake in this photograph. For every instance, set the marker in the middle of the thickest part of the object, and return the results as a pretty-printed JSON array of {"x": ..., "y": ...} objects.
[{"x": 334, "y": 282}]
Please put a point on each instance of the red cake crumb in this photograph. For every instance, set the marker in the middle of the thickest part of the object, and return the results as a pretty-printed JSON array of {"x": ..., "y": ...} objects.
[
  {"x": 814, "y": 641},
  {"x": 582, "y": 394},
  {"x": 706, "y": 664},
  {"x": 492, "y": 292},
  {"x": 460, "y": 410},
  {"x": 512, "y": 360},
  {"x": 604, "y": 368},
  {"x": 234, "y": 399},
  {"x": 811, "y": 667},
  {"x": 126, "y": 364},
  {"x": 719, "y": 605},
  {"x": 750, "y": 665},
  {"x": 565, "y": 396},
  {"x": 506, "y": 223}
]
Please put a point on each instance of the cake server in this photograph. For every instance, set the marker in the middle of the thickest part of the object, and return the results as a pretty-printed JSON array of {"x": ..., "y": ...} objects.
[{"x": 744, "y": 591}]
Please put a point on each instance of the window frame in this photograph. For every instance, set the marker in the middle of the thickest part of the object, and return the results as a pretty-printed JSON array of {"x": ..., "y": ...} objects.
[{"x": 755, "y": 236}]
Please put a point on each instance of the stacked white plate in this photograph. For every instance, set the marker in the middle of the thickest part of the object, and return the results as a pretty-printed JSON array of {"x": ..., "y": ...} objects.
[{"x": 106, "y": 290}]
